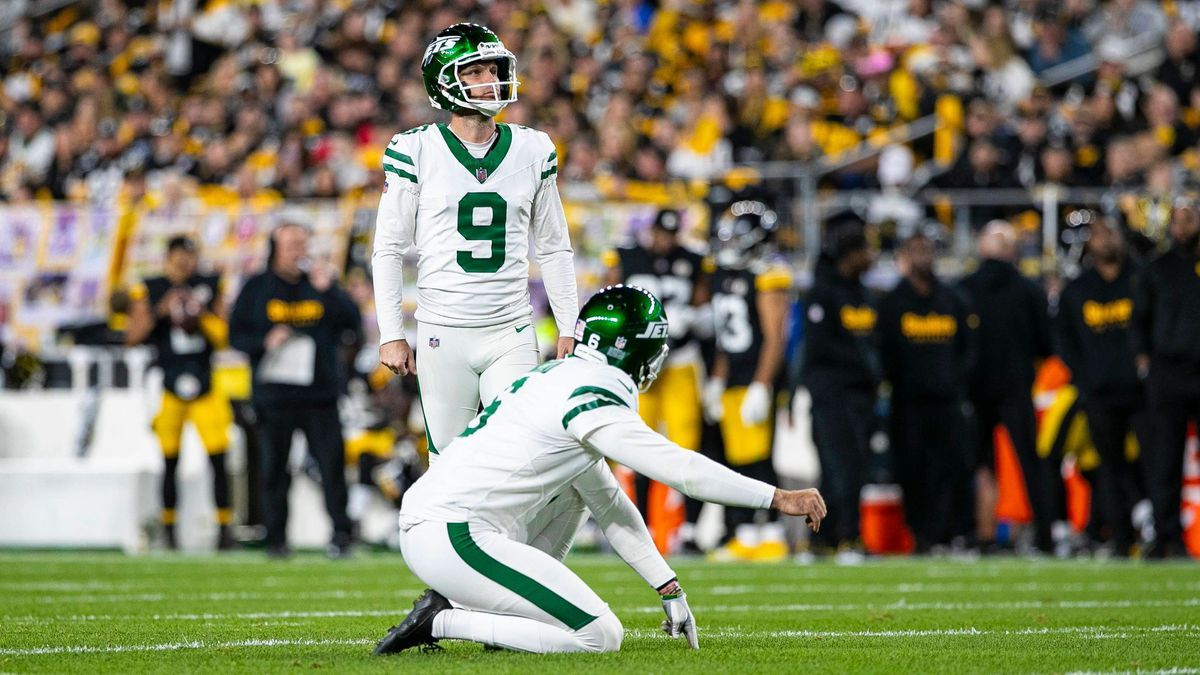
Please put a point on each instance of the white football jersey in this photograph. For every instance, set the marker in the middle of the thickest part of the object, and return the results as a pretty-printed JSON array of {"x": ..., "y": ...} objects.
[
  {"x": 469, "y": 221},
  {"x": 525, "y": 448}
]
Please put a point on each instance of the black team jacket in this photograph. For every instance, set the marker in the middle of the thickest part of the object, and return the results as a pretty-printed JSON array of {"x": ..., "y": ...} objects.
[
  {"x": 330, "y": 318},
  {"x": 1166, "y": 321},
  {"x": 1093, "y": 329},
  {"x": 1013, "y": 329},
  {"x": 928, "y": 348}
]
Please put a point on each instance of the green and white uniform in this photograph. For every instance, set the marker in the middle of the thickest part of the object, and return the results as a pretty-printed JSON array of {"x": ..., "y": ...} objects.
[
  {"x": 468, "y": 214},
  {"x": 547, "y": 437}
]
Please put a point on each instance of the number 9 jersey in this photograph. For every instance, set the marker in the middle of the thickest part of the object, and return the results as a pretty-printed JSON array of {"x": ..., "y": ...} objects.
[{"x": 469, "y": 220}]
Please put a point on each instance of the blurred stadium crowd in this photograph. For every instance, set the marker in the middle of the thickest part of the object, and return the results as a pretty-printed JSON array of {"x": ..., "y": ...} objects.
[{"x": 264, "y": 100}]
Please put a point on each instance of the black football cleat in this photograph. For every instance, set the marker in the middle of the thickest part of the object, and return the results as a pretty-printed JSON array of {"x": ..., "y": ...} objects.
[{"x": 416, "y": 630}]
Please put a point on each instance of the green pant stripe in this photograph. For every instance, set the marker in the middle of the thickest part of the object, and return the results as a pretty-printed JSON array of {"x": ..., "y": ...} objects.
[
  {"x": 399, "y": 172},
  {"x": 543, "y": 598},
  {"x": 398, "y": 156},
  {"x": 601, "y": 392},
  {"x": 591, "y": 405},
  {"x": 428, "y": 436}
]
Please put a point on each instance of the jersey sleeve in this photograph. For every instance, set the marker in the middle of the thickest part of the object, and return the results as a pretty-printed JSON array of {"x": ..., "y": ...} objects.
[
  {"x": 398, "y": 162},
  {"x": 774, "y": 278},
  {"x": 395, "y": 230},
  {"x": 553, "y": 241},
  {"x": 139, "y": 292},
  {"x": 216, "y": 287},
  {"x": 622, "y": 524},
  {"x": 632, "y": 443},
  {"x": 599, "y": 402}
]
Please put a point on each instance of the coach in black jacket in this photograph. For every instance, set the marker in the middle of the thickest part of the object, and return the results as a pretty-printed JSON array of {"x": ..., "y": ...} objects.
[
  {"x": 928, "y": 351},
  {"x": 291, "y": 324},
  {"x": 841, "y": 372},
  {"x": 1092, "y": 327},
  {"x": 1014, "y": 332},
  {"x": 1166, "y": 335}
]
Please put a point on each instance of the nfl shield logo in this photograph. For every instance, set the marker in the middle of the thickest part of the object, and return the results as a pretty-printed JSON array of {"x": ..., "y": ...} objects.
[
  {"x": 481, "y": 174},
  {"x": 620, "y": 342},
  {"x": 434, "y": 342}
]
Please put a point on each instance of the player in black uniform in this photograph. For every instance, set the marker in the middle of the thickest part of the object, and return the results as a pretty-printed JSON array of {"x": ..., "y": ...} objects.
[
  {"x": 179, "y": 314},
  {"x": 750, "y": 304},
  {"x": 679, "y": 277},
  {"x": 927, "y": 352},
  {"x": 1092, "y": 328}
]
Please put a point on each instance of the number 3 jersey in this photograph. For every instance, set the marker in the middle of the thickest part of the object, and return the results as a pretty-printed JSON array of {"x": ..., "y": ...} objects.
[
  {"x": 549, "y": 436},
  {"x": 469, "y": 221},
  {"x": 525, "y": 448},
  {"x": 735, "y": 311}
]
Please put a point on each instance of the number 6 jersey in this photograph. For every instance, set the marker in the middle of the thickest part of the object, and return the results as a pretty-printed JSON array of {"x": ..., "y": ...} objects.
[{"x": 469, "y": 221}]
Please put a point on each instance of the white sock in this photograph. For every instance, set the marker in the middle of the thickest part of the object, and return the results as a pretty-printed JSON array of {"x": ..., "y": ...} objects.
[
  {"x": 510, "y": 632},
  {"x": 771, "y": 532},
  {"x": 356, "y": 504},
  {"x": 747, "y": 534}
]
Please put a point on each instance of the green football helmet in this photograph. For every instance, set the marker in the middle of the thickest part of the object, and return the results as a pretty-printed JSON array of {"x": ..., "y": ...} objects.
[
  {"x": 626, "y": 327},
  {"x": 458, "y": 46}
]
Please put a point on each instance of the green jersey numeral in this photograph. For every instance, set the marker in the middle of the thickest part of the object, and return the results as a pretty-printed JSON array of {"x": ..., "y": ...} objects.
[
  {"x": 493, "y": 232},
  {"x": 481, "y": 421}
]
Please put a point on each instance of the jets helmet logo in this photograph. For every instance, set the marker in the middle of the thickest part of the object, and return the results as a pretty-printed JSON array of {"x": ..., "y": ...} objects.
[
  {"x": 439, "y": 45},
  {"x": 655, "y": 329}
]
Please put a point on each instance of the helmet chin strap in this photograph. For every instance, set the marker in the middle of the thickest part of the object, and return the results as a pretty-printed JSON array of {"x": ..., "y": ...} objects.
[{"x": 651, "y": 369}]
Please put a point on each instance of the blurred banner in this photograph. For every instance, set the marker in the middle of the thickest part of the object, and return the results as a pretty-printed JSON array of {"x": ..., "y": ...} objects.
[
  {"x": 61, "y": 263},
  {"x": 54, "y": 267}
]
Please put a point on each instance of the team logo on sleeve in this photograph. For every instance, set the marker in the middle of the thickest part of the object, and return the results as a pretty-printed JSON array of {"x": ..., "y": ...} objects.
[{"x": 434, "y": 343}]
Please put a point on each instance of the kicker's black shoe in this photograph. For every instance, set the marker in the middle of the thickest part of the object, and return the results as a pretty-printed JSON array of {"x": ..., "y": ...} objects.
[{"x": 417, "y": 628}]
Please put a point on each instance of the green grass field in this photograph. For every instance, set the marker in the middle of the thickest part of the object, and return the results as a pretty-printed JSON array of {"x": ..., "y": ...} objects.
[{"x": 96, "y": 612}]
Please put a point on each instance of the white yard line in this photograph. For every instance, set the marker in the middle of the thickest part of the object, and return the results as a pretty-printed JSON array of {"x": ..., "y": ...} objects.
[
  {"x": 175, "y": 646},
  {"x": 900, "y": 606},
  {"x": 1099, "y": 632},
  {"x": 1093, "y": 632},
  {"x": 1165, "y": 671},
  {"x": 937, "y": 587},
  {"x": 906, "y": 606},
  {"x": 228, "y": 595}
]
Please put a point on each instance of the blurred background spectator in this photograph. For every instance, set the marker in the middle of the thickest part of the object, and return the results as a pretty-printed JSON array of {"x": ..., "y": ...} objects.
[{"x": 253, "y": 102}]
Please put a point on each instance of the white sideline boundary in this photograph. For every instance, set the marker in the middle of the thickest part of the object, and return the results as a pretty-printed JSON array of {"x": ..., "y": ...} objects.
[
  {"x": 1092, "y": 632},
  {"x": 900, "y": 606}
]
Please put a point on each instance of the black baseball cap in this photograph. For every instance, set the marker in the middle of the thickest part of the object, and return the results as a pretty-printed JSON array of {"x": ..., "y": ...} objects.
[
  {"x": 181, "y": 243},
  {"x": 668, "y": 220}
]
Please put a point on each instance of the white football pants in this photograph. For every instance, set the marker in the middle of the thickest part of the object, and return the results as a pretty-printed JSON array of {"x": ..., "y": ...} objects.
[
  {"x": 505, "y": 593},
  {"x": 459, "y": 367}
]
